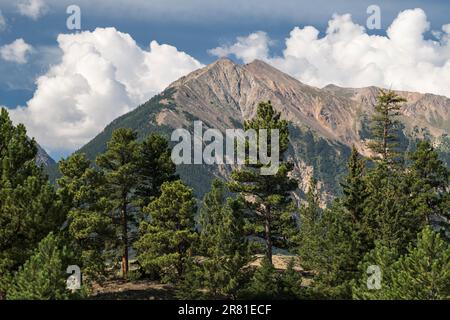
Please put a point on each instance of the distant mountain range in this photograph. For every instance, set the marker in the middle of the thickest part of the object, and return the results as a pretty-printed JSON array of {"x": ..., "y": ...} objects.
[{"x": 325, "y": 122}]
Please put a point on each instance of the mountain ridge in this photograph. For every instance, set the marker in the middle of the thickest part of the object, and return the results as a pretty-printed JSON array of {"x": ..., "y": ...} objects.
[{"x": 325, "y": 122}]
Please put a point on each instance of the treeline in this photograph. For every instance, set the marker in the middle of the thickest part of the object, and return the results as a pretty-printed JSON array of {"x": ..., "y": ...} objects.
[{"x": 387, "y": 237}]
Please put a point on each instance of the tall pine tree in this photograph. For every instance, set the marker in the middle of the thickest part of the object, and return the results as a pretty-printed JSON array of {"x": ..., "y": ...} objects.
[
  {"x": 385, "y": 127},
  {"x": 119, "y": 164},
  {"x": 90, "y": 229},
  {"x": 28, "y": 206},
  {"x": 154, "y": 167},
  {"x": 268, "y": 196},
  {"x": 168, "y": 234},
  {"x": 223, "y": 243}
]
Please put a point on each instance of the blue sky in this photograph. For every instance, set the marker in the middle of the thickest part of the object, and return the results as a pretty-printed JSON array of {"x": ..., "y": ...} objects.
[{"x": 191, "y": 26}]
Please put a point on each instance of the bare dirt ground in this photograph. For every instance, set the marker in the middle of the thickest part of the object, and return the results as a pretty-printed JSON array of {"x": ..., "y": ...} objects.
[
  {"x": 152, "y": 290},
  {"x": 133, "y": 290}
]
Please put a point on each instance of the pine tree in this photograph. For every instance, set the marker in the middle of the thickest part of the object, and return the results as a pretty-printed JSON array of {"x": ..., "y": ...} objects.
[
  {"x": 375, "y": 273},
  {"x": 354, "y": 188},
  {"x": 167, "y": 236},
  {"x": 155, "y": 167},
  {"x": 90, "y": 229},
  {"x": 385, "y": 125},
  {"x": 291, "y": 282},
  {"x": 223, "y": 243},
  {"x": 310, "y": 234},
  {"x": 190, "y": 285},
  {"x": 28, "y": 209},
  {"x": 422, "y": 273},
  {"x": 265, "y": 283},
  {"x": 268, "y": 196},
  {"x": 387, "y": 215},
  {"x": 119, "y": 164},
  {"x": 428, "y": 180},
  {"x": 339, "y": 251},
  {"x": 43, "y": 276}
]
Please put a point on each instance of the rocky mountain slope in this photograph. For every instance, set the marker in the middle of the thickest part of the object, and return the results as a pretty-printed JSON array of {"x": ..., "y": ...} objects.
[
  {"x": 42, "y": 158},
  {"x": 325, "y": 123}
]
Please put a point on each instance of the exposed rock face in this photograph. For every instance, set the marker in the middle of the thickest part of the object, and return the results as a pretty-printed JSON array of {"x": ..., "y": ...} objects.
[
  {"x": 325, "y": 122},
  {"x": 42, "y": 158},
  {"x": 224, "y": 91}
]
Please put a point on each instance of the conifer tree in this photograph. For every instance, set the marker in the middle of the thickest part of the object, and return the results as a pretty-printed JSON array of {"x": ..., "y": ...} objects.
[
  {"x": 190, "y": 285},
  {"x": 119, "y": 165},
  {"x": 338, "y": 253},
  {"x": 167, "y": 235},
  {"x": 388, "y": 217},
  {"x": 291, "y": 282},
  {"x": 422, "y": 273},
  {"x": 223, "y": 242},
  {"x": 154, "y": 167},
  {"x": 268, "y": 196},
  {"x": 385, "y": 125},
  {"x": 90, "y": 228},
  {"x": 354, "y": 188},
  {"x": 265, "y": 283},
  {"x": 310, "y": 233},
  {"x": 28, "y": 209},
  {"x": 43, "y": 276},
  {"x": 429, "y": 183}
]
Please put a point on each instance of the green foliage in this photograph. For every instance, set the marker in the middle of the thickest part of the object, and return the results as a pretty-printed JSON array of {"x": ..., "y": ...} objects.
[
  {"x": 265, "y": 283},
  {"x": 428, "y": 180},
  {"x": 310, "y": 235},
  {"x": 119, "y": 167},
  {"x": 354, "y": 187},
  {"x": 339, "y": 251},
  {"x": 291, "y": 282},
  {"x": 422, "y": 273},
  {"x": 29, "y": 209},
  {"x": 105, "y": 202},
  {"x": 189, "y": 286},
  {"x": 385, "y": 126},
  {"x": 167, "y": 235},
  {"x": 43, "y": 276},
  {"x": 90, "y": 230},
  {"x": 223, "y": 243},
  {"x": 268, "y": 196},
  {"x": 154, "y": 167}
]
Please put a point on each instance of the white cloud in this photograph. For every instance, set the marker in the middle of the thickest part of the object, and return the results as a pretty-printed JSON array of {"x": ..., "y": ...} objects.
[
  {"x": 102, "y": 75},
  {"x": 16, "y": 51},
  {"x": 2, "y": 22},
  {"x": 33, "y": 9},
  {"x": 246, "y": 48},
  {"x": 346, "y": 55}
]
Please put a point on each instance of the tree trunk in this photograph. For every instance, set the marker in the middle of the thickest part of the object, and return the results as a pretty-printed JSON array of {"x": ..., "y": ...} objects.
[
  {"x": 268, "y": 234},
  {"x": 124, "y": 222}
]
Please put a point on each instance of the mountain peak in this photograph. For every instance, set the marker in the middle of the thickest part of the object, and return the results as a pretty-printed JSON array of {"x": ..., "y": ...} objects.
[{"x": 224, "y": 61}]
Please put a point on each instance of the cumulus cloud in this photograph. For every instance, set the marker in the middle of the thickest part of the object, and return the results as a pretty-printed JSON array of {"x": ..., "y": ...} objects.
[
  {"x": 2, "y": 22},
  {"x": 348, "y": 56},
  {"x": 16, "y": 51},
  {"x": 33, "y": 9},
  {"x": 247, "y": 49},
  {"x": 102, "y": 75}
]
